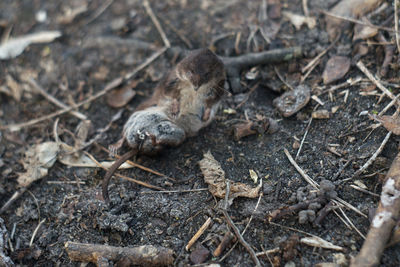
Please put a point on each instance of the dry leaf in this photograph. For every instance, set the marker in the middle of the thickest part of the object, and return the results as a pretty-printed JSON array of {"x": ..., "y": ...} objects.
[
  {"x": 15, "y": 46},
  {"x": 38, "y": 159},
  {"x": 71, "y": 13},
  {"x": 362, "y": 32},
  {"x": 292, "y": 101},
  {"x": 118, "y": 98},
  {"x": 81, "y": 160},
  {"x": 316, "y": 241},
  {"x": 390, "y": 123},
  {"x": 336, "y": 68},
  {"x": 16, "y": 90},
  {"x": 82, "y": 132},
  {"x": 214, "y": 176},
  {"x": 320, "y": 114},
  {"x": 349, "y": 9},
  {"x": 299, "y": 20},
  {"x": 253, "y": 176}
]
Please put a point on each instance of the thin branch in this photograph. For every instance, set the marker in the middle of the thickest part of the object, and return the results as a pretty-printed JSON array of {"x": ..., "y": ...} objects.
[
  {"x": 372, "y": 158},
  {"x": 153, "y": 17},
  {"x": 52, "y": 99},
  {"x": 357, "y": 21},
  {"x": 123, "y": 176},
  {"x": 303, "y": 139},
  {"x": 396, "y": 24},
  {"x": 110, "y": 86}
]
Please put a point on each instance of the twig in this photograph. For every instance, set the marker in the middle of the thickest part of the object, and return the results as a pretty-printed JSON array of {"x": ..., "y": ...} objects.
[
  {"x": 123, "y": 176},
  {"x": 351, "y": 223},
  {"x": 180, "y": 35},
  {"x": 176, "y": 191},
  {"x": 52, "y": 99},
  {"x": 234, "y": 65},
  {"x": 110, "y": 86},
  {"x": 314, "y": 60},
  {"x": 226, "y": 240},
  {"x": 303, "y": 139},
  {"x": 17, "y": 126},
  {"x": 99, "y": 11},
  {"x": 150, "y": 12},
  {"x": 137, "y": 165},
  {"x": 363, "y": 190},
  {"x": 196, "y": 236},
  {"x": 269, "y": 251},
  {"x": 357, "y": 21},
  {"x": 300, "y": 170},
  {"x": 236, "y": 230},
  {"x": 35, "y": 232},
  {"x": 247, "y": 225},
  {"x": 142, "y": 255},
  {"x": 372, "y": 158},
  {"x": 396, "y": 24},
  {"x": 305, "y": 8},
  {"x": 241, "y": 239},
  {"x": 14, "y": 197},
  {"x": 337, "y": 200},
  {"x": 384, "y": 220},
  {"x": 373, "y": 79},
  {"x": 313, "y": 63},
  {"x": 389, "y": 52}
]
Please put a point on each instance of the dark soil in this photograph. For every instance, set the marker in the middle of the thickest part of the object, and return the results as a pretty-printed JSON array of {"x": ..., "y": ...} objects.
[{"x": 75, "y": 66}]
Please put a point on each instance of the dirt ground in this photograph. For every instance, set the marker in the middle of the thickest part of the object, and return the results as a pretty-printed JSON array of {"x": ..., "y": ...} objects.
[{"x": 94, "y": 50}]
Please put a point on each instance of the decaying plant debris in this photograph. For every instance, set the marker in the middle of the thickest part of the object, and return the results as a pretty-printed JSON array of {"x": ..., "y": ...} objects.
[{"x": 314, "y": 79}]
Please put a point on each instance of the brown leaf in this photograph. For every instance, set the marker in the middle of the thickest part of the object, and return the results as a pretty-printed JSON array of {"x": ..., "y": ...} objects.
[
  {"x": 214, "y": 176},
  {"x": 364, "y": 32},
  {"x": 38, "y": 159},
  {"x": 292, "y": 101},
  {"x": 390, "y": 123},
  {"x": 349, "y": 9},
  {"x": 120, "y": 97},
  {"x": 336, "y": 68}
]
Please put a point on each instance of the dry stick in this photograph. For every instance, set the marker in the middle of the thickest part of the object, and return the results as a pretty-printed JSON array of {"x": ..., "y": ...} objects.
[
  {"x": 110, "y": 86},
  {"x": 357, "y": 21},
  {"x": 372, "y": 158},
  {"x": 247, "y": 225},
  {"x": 142, "y": 255},
  {"x": 176, "y": 191},
  {"x": 300, "y": 170},
  {"x": 14, "y": 197},
  {"x": 123, "y": 176},
  {"x": 156, "y": 23},
  {"x": 234, "y": 65},
  {"x": 226, "y": 240},
  {"x": 313, "y": 62},
  {"x": 52, "y": 99},
  {"x": 99, "y": 11},
  {"x": 373, "y": 79},
  {"x": 396, "y": 24},
  {"x": 137, "y": 165},
  {"x": 363, "y": 190},
  {"x": 197, "y": 235},
  {"x": 305, "y": 8},
  {"x": 35, "y": 232},
  {"x": 389, "y": 52},
  {"x": 236, "y": 230},
  {"x": 337, "y": 200},
  {"x": 180, "y": 35},
  {"x": 384, "y": 219},
  {"x": 303, "y": 139}
]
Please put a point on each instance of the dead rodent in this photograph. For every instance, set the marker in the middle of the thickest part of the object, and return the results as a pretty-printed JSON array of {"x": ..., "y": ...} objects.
[{"x": 184, "y": 101}]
